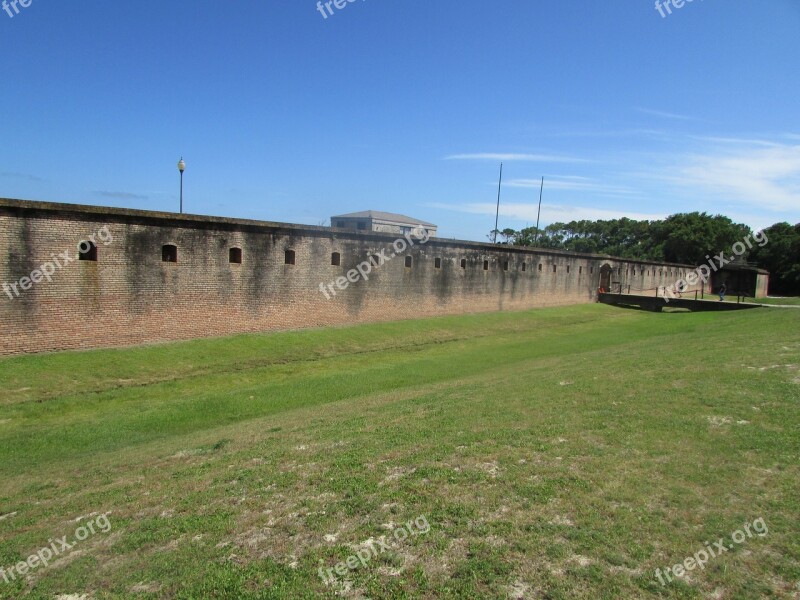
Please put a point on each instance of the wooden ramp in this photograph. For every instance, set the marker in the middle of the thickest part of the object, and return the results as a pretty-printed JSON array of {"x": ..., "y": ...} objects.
[{"x": 657, "y": 304}]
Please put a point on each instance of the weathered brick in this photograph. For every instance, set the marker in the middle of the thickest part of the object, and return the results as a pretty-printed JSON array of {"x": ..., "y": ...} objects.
[{"x": 129, "y": 296}]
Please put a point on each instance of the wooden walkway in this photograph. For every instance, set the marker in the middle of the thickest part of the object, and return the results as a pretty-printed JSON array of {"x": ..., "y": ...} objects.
[{"x": 657, "y": 304}]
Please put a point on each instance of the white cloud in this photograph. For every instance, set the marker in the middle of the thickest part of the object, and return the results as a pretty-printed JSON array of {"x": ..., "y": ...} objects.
[
  {"x": 734, "y": 141},
  {"x": 754, "y": 179},
  {"x": 550, "y": 212},
  {"x": 508, "y": 157},
  {"x": 750, "y": 174},
  {"x": 657, "y": 134},
  {"x": 570, "y": 183},
  {"x": 663, "y": 114}
]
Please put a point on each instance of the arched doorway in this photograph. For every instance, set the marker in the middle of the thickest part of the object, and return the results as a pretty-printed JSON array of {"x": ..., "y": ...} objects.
[{"x": 605, "y": 278}]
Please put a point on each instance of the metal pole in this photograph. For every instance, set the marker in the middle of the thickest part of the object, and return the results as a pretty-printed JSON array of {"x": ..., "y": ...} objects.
[
  {"x": 497, "y": 215},
  {"x": 538, "y": 214},
  {"x": 181, "y": 192}
]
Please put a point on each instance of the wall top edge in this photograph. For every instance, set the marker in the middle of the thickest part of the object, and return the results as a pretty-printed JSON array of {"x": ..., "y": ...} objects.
[{"x": 189, "y": 220}]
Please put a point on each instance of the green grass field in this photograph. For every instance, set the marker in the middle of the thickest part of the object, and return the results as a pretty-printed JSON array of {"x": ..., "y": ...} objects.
[{"x": 557, "y": 453}]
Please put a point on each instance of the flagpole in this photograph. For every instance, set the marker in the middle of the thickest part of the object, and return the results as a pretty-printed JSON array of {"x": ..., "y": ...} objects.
[
  {"x": 497, "y": 215},
  {"x": 541, "y": 191}
]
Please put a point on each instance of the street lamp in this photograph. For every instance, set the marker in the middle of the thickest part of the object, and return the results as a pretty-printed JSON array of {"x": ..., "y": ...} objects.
[{"x": 181, "y": 168}]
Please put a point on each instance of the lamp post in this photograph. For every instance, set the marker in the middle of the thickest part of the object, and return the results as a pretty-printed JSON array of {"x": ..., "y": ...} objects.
[{"x": 181, "y": 168}]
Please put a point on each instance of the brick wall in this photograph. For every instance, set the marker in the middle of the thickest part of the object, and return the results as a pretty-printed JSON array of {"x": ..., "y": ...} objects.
[{"x": 130, "y": 296}]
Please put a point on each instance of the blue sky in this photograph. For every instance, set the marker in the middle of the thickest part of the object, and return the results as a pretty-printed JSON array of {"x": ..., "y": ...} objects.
[{"x": 406, "y": 106}]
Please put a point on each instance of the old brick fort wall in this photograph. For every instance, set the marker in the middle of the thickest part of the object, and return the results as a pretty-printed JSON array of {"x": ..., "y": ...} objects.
[{"x": 129, "y": 295}]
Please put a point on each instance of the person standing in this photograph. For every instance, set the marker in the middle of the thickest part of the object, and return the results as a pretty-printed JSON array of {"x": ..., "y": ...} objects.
[{"x": 722, "y": 291}]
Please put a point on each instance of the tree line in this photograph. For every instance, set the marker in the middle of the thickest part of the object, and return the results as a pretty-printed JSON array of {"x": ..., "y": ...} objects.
[{"x": 686, "y": 238}]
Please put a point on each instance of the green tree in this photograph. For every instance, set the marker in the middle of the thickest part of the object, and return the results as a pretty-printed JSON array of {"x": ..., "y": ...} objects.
[
  {"x": 780, "y": 255},
  {"x": 689, "y": 237},
  {"x": 685, "y": 237}
]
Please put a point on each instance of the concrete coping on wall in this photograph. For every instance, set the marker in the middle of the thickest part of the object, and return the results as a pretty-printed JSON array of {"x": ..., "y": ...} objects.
[{"x": 167, "y": 219}]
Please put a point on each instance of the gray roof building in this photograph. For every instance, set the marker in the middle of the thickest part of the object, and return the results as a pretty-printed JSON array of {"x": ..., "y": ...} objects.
[{"x": 385, "y": 222}]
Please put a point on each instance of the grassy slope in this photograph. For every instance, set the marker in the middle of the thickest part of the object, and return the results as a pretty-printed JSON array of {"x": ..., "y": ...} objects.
[{"x": 559, "y": 453}]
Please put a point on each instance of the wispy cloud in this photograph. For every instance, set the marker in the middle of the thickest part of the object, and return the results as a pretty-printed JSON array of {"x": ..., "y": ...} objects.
[
  {"x": 570, "y": 183},
  {"x": 551, "y": 213},
  {"x": 120, "y": 195},
  {"x": 736, "y": 141},
  {"x": 755, "y": 176},
  {"x": 663, "y": 114},
  {"x": 751, "y": 174},
  {"x": 621, "y": 133},
  {"x": 509, "y": 157},
  {"x": 22, "y": 176}
]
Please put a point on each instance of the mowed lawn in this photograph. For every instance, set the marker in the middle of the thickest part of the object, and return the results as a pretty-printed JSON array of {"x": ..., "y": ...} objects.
[{"x": 557, "y": 453}]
